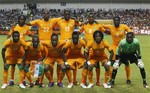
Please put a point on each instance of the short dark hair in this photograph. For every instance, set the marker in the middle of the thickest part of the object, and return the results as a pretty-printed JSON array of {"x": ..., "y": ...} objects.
[
  {"x": 21, "y": 16},
  {"x": 116, "y": 17},
  {"x": 75, "y": 33},
  {"x": 98, "y": 31},
  {"x": 132, "y": 33},
  {"x": 54, "y": 34},
  {"x": 15, "y": 32},
  {"x": 66, "y": 10}
]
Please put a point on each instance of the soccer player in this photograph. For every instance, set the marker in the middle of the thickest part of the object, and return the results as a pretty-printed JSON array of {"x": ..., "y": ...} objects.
[
  {"x": 45, "y": 30},
  {"x": 118, "y": 32},
  {"x": 89, "y": 28},
  {"x": 53, "y": 54},
  {"x": 67, "y": 25},
  {"x": 74, "y": 55},
  {"x": 24, "y": 30},
  {"x": 36, "y": 52},
  {"x": 129, "y": 50},
  {"x": 98, "y": 54},
  {"x": 12, "y": 53}
]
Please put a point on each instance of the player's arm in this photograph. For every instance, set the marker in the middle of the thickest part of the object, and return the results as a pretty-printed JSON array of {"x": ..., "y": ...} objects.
[
  {"x": 107, "y": 31},
  {"x": 3, "y": 54},
  {"x": 64, "y": 50},
  {"x": 138, "y": 50},
  {"x": 25, "y": 56},
  {"x": 43, "y": 52},
  {"x": 127, "y": 29},
  {"x": 86, "y": 53}
]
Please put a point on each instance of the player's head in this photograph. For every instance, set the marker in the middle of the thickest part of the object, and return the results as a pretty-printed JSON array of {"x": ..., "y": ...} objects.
[
  {"x": 91, "y": 17},
  {"x": 15, "y": 36},
  {"x": 75, "y": 37},
  {"x": 116, "y": 21},
  {"x": 98, "y": 36},
  {"x": 129, "y": 37},
  {"x": 21, "y": 20},
  {"x": 35, "y": 41},
  {"x": 54, "y": 39},
  {"x": 66, "y": 14},
  {"x": 46, "y": 15}
]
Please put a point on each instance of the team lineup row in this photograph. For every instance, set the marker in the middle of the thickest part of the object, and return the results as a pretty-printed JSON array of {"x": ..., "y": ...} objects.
[{"x": 47, "y": 49}]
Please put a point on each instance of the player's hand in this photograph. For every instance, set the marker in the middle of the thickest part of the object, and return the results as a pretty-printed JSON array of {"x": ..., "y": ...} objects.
[
  {"x": 140, "y": 63},
  {"x": 40, "y": 62},
  {"x": 116, "y": 64},
  {"x": 67, "y": 66},
  {"x": 109, "y": 63}
]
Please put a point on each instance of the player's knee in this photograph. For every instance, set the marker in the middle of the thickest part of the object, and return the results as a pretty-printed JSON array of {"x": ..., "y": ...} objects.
[
  {"x": 107, "y": 68},
  {"x": 6, "y": 67},
  {"x": 63, "y": 67},
  {"x": 26, "y": 69},
  {"x": 20, "y": 67},
  {"x": 46, "y": 68}
]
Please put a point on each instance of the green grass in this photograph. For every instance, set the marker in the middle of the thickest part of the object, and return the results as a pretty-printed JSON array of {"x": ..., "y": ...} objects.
[{"x": 120, "y": 83}]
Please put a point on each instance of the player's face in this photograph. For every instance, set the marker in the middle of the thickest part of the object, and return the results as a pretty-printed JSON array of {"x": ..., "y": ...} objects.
[
  {"x": 98, "y": 38},
  {"x": 91, "y": 18},
  {"x": 75, "y": 39},
  {"x": 21, "y": 21},
  {"x": 54, "y": 41},
  {"x": 35, "y": 42},
  {"x": 129, "y": 38},
  {"x": 67, "y": 15},
  {"x": 116, "y": 22},
  {"x": 15, "y": 37},
  {"x": 46, "y": 15}
]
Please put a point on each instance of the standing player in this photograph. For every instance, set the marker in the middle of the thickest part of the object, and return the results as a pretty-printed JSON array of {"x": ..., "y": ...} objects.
[
  {"x": 66, "y": 26},
  {"x": 45, "y": 29},
  {"x": 53, "y": 55},
  {"x": 12, "y": 53},
  {"x": 89, "y": 28},
  {"x": 129, "y": 50},
  {"x": 98, "y": 47},
  {"x": 74, "y": 55},
  {"x": 36, "y": 52},
  {"x": 24, "y": 30},
  {"x": 118, "y": 32}
]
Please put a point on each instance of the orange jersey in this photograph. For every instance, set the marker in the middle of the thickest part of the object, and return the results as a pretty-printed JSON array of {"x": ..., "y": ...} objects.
[
  {"x": 35, "y": 52},
  {"x": 89, "y": 29},
  {"x": 25, "y": 30},
  {"x": 118, "y": 33},
  {"x": 45, "y": 28},
  {"x": 75, "y": 50},
  {"x": 14, "y": 49},
  {"x": 99, "y": 49},
  {"x": 54, "y": 51},
  {"x": 66, "y": 28}
]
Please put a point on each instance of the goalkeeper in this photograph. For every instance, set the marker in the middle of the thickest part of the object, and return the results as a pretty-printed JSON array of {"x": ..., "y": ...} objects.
[{"x": 129, "y": 50}]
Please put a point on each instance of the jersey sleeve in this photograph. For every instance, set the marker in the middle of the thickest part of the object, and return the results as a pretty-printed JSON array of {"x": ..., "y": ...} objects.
[
  {"x": 23, "y": 43},
  {"x": 118, "y": 50},
  {"x": 83, "y": 43},
  {"x": 35, "y": 22},
  {"x": 101, "y": 28},
  {"x": 7, "y": 43},
  {"x": 67, "y": 44},
  {"x": 127, "y": 29}
]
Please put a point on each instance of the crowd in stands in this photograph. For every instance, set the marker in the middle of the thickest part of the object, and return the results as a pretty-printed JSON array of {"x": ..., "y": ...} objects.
[{"x": 137, "y": 19}]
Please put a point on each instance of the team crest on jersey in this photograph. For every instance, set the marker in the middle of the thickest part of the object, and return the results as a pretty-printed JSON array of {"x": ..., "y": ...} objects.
[
  {"x": 25, "y": 31},
  {"x": 50, "y": 25}
]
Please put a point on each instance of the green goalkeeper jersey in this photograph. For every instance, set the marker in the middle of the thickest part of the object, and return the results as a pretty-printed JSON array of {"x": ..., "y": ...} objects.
[{"x": 126, "y": 48}]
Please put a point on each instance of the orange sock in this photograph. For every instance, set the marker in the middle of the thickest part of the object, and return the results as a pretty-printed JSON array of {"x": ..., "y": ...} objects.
[
  {"x": 90, "y": 76},
  {"x": 97, "y": 74},
  {"x": 58, "y": 73},
  {"x": 5, "y": 76},
  {"x": 110, "y": 71},
  {"x": 69, "y": 76},
  {"x": 84, "y": 75},
  {"x": 28, "y": 75},
  {"x": 127, "y": 68},
  {"x": 12, "y": 71},
  {"x": 106, "y": 76},
  {"x": 21, "y": 75}
]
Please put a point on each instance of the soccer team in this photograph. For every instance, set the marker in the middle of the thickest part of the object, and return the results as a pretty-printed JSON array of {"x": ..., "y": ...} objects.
[{"x": 47, "y": 47}]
